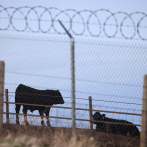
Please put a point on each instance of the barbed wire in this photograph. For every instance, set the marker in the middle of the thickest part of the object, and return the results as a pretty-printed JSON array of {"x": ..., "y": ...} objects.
[
  {"x": 116, "y": 108},
  {"x": 72, "y": 22},
  {"x": 92, "y": 93},
  {"x": 47, "y": 95},
  {"x": 80, "y": 80},
  {"x": 98, "y": 105},
  {"x": 56, "y": 39},
  {"x": 53, "y": 33},
  {"x": 87, "y": 19},
  {"x": 76, "y": 98},
  {"x": 117, "y": 102}
]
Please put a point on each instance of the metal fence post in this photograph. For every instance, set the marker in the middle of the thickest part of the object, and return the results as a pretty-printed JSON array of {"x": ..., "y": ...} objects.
[
  {"x": 143, "y": 137},
  {"x": 1, "y": 92},
  {"x": 72, "y": 78},
  {"x": 90, "y": 112},
  {"x": 7, "y": 107},
  {"x": 73, "y": 86}
]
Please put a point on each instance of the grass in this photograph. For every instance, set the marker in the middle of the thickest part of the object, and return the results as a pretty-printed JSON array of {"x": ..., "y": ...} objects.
[{"x": 38, "y": 136}]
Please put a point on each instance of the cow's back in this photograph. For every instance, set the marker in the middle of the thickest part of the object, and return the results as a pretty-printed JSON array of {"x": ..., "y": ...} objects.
[
  {"x": 25, "y": 94},
  {"x": 123, "y": 127}
]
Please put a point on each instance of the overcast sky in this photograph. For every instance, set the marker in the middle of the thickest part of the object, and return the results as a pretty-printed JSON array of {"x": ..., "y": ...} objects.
[{"x": 113, "y": 5}]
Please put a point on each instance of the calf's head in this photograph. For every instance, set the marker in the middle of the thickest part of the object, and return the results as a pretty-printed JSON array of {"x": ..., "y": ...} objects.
[{"x": 98, "y": 116}]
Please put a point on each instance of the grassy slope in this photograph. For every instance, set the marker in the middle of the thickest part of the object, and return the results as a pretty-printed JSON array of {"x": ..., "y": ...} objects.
[{"x": 33, "y": 136}]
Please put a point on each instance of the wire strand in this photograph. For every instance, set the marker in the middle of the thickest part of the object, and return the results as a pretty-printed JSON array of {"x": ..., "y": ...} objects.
[
  {"x": 78, "y": 98},
  {"x": 82, "y": 80}
]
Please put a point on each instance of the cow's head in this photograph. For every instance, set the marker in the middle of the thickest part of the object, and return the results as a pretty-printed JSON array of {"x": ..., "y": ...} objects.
[
  {"x": 55, "y": 97},
  {"x": 98, "y": 116},
  {"x": 59, "y": 97}
]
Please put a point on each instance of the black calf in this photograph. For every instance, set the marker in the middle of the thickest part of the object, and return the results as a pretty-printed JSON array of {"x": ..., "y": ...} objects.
[{"x": 110, "y": 125}]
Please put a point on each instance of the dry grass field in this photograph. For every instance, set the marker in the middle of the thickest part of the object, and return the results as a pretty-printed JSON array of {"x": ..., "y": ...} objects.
[{"x": 38, "y": 136}]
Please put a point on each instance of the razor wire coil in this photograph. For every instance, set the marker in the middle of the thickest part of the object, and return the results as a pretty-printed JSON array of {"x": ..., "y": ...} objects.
[{"x": 85, "y": 19}]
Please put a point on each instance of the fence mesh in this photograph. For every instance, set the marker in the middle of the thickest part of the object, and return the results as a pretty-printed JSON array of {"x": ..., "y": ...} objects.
[{"x": 111, "y": 72}]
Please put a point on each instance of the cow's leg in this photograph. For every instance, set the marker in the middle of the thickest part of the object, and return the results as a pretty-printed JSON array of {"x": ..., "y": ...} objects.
[
  {"x": 17, "y": 113},
  {"x": 25, "y": 115},
  {"x": 42, "y": 119},
  {"x": 47, "y": 117}
]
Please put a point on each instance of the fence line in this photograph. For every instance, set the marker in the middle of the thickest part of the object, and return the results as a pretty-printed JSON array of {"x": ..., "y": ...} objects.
[
  {"x": 94, "y": 106},
  {"x": 117, "y": 102},
  {"x": 116, "y": 108},
  {"x": 52, "y": 33},
  {"x": 7, "y": 107},
  {"x": 2, "y": 75},
  {"x": 81, "y": 98},
  {"x": 81, "y": 80},
  {"x": 70, "y": 119},
  {"x": 37, "y": 94},
  {"x": 90, "y": 111},
  {"x": 93, "y": 100},
  {"x": 100, "y": 94},
  {"x": 100, "y": 43},
  {"x": 71, "y": 108}
]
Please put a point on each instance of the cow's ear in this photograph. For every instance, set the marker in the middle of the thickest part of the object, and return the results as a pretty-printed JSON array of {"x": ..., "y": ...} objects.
[{"x": 103, "y": 116}]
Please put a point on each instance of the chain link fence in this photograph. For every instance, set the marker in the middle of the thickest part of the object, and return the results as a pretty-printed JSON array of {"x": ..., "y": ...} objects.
[{"x": 111, "y": 72}]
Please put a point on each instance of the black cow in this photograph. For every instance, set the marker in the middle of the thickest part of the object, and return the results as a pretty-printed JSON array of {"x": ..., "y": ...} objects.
[
  {"x": 28, "y": 95},
  {"x": 122, "y": 127}
]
